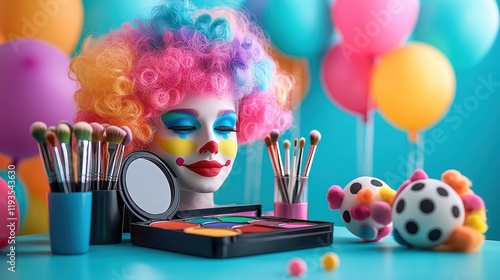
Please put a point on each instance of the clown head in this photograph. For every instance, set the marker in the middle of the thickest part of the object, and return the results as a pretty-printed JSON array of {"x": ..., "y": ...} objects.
[
  {"x": 191, "y": 84},
  {"x": 198, "y": 140}
]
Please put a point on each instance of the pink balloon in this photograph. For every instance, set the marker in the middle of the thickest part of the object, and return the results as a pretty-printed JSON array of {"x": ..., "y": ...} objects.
[
  {"x": 346, "y": 77},
  {"x": 374, "y": 26},
  {"x": 34, "y": 86},
  {"x": 9, "y": 214}
]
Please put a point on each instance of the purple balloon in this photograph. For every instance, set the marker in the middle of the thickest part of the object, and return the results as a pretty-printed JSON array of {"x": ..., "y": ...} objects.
[{"x": 34, "y": 86}]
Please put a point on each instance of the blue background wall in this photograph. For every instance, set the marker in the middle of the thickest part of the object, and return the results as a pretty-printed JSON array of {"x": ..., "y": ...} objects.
[{"x": 469, "y": 141}]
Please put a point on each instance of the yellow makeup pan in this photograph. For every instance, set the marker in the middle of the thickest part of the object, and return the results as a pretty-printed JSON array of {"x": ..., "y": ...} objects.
[{"x": 213, "y": 232}]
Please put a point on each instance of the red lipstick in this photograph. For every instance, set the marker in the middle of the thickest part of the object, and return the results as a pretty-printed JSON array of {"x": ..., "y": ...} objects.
[{"x": 206, "y": 168}]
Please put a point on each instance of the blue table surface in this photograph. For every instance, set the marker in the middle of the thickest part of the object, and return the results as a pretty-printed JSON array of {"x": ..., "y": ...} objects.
[{"x": 382, "y": 260}]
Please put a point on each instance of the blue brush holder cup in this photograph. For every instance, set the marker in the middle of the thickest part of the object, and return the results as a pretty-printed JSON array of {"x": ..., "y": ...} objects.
[{"x": 69, "y": 222}]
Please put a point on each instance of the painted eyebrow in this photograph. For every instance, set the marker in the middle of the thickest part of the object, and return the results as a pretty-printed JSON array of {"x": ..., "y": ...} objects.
[
  {"x": 224, "y": 112},
  {"x": 191, "y": 112}
]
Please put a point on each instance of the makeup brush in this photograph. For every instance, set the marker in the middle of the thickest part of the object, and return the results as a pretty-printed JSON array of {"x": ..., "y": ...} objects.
[
  {"x": 113, "y": 141},
  {"x": 70, "y": 126},
  {"x": 302, "y": 142},
  {"x": 96, "y": 172},
  {"x": 51, "y": 138},
  {"x": 274, "y": 140},
  {"x": 286, "y": 145},
  {"x": 38, "y": 130},
  {"x": 294, "y": 165},
  {"x": 272, "y": 157},
  {"x": 314, "y": 136},
  {"x": 83, "y": 134},
  {"x": 121, "y": 152},
  {"x": 63, "y": 132}
]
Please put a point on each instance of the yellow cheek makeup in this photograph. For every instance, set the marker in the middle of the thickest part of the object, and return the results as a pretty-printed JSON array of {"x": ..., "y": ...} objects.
[
  {"x": 176, "y": 146},
  {"x": 228, "y": 147}
]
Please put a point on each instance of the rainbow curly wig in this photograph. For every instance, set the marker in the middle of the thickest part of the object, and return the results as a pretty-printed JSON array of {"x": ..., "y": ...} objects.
[{"x": 133, "y": 75}]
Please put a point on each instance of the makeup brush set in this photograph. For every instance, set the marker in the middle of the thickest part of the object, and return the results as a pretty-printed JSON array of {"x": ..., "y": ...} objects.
[
  {"x": 99, "y": 150},
  {"x": 290, "y": 179},
  {"x": 82, "y": 163}
]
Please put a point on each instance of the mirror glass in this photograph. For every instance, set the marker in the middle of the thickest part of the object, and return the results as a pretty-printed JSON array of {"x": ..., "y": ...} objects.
[{"x": 148, "y": 186}]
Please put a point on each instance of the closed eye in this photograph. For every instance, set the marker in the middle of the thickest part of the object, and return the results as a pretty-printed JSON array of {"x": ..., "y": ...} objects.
[
  {"x": 182, "y": 128},
  {"x": 223, "y": 128}
]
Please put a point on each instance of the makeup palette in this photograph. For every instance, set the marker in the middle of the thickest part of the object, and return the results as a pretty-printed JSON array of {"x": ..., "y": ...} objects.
[{"x": 151, "y": 192}]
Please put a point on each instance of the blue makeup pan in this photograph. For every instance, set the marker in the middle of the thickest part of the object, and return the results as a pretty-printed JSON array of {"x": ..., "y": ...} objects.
[{"x": 202, "y": 220}]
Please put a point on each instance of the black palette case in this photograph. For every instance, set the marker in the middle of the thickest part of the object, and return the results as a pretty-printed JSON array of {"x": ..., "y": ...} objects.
[{"x": 150, "y": 190}]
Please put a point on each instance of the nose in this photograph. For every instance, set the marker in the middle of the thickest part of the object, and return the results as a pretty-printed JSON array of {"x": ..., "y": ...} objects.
[{"x": 210, "y": 146}]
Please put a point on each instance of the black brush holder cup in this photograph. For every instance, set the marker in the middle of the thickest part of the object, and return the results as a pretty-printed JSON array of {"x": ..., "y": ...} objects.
[{"x": 107, "y": 216}]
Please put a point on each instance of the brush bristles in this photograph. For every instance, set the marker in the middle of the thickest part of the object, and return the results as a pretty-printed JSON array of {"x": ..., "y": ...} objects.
[
  {"x": 38, "y": 130},
  {"x": 51, "y": 138},
  {"x": 51, "y": 128},
  {"x": 63, "y": 132},
  {"x": 128, "y": 136},
  {"x": 274, "y": 135},
  {"x": 97, "y": 132},
  {"x": 315, "y": 136},
  {"x": 286, "y": 144},
  {"x": 295, "y": 142},
  {"x": 267, "y": 140},
  {"x": 83, "y": 131},
  {"x": 115, "y": 134},
  {"x": 302, "y": 142},
  {"x": 70, "y": 125}
]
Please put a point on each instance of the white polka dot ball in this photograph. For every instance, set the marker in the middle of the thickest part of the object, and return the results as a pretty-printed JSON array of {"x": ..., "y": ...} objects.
[{"x": 425, "y": 213}]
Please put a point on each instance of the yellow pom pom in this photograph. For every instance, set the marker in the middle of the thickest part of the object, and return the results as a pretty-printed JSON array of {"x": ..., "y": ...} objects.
[
  {"x": 330, "y": 261},
  {"x": 387, "y": 194},
  {"x": 476, "y": 221}
]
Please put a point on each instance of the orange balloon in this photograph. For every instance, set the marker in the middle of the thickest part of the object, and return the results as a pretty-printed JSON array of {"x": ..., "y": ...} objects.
[
  {"x": 299, "y": 69},
  {"x": 54, "y": 21},
  {"x": 37, "y": 218},
  {"x": 5, "y": 160},
  {"x": 35, "y": 179},
  {"x": 2, "y": 38},
  {"x": 413, "y": 86}
]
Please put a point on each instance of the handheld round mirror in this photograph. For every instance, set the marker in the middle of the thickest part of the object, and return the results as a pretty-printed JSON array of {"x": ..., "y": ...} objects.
[{"x": 149, "y": 187}]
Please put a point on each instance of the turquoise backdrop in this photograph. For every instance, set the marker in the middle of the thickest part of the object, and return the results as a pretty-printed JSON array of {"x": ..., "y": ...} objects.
[{"x": 466, "y": 139}]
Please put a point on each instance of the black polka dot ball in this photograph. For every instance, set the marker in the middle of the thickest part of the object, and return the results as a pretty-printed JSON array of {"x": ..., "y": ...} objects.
[{"x": 425, "y": 213}]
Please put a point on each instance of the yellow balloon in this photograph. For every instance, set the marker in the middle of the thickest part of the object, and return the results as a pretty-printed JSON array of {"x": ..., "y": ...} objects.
[
  {"x": 37, "y": 217},
  {"x": 55, "y": 21},
  {"x": 413, "y": 86}
]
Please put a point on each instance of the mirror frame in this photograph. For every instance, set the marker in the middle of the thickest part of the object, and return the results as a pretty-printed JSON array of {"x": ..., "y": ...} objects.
[{"x": 170, "y": 182}]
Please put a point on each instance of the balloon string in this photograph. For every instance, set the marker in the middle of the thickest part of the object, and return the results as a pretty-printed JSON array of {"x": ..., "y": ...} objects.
[
  {"x": 411, "y": 159},
  {"x": 416, "y": 154},
  {"x": 420, "y": 156},
  {"x": 360, "y": 135},
  {"x": 368, "y": 151}
]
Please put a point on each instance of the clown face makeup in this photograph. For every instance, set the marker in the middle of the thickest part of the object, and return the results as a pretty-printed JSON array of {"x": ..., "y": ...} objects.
[{"x": 197, "y": 139}]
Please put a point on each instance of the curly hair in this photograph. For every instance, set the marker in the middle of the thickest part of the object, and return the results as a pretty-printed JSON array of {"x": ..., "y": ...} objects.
[{"x": 133, "y": 75}]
